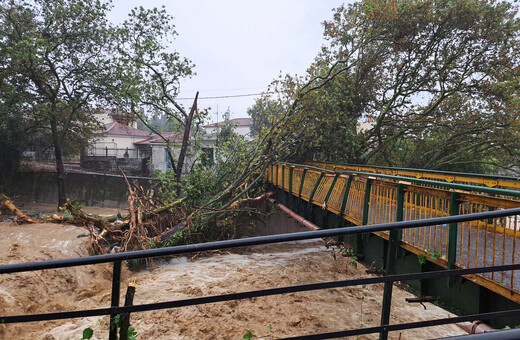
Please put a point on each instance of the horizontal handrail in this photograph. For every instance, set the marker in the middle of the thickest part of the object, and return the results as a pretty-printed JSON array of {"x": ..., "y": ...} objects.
[
  {"x": 252, "y": 294},
  {"x": 459, "y": 186},
  {"x": 387, "y": 280},
  {"x": 449, "y": 176},
  {"x": 250, "y": 241},
  {"x": 440, "y": 172}
]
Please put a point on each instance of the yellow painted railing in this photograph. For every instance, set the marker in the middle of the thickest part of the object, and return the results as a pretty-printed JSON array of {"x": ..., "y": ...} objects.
[
  {"x": 490, "y": 181},
  {"x": 369, "y": 199}
]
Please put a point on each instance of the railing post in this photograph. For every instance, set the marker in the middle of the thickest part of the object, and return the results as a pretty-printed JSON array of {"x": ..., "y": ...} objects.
[
  {"x": 393, "y": 244},
  {"x": 276, "y": 174},
  {"x": 366, "y": 204},
  {"x": 283, "y": 176},
  {"x": 452, "y": 233},
  {"x": 329, "y": 193},
  {"x": 291, "y": 169},
  {"x": 301, "y": 183},
  {"x": 311, "y": 197},
  {"x": 345, "y": 196},
  {"x": 316, "y": 187},
  {"x": 116, "y": 293},
  {"x": 271, "y": 166}
]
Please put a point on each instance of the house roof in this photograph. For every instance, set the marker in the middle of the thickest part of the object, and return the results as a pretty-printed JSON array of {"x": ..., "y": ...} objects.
[
  {"x": 235, "y": 121},
  {"x": 175, "y": 137},
  {"x": 119, "y": 129}
]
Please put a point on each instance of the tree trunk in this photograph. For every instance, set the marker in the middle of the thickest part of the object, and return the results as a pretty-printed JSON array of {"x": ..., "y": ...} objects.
[
  {"x": 60, "y": 169},
  {"x": 184, "y": 147}
]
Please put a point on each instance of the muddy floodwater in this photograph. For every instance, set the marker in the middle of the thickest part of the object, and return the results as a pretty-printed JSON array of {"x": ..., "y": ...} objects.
[{"x": 206, "y": 274}]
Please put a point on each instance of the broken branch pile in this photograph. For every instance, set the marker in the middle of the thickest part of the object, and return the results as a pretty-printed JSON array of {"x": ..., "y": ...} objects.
[{"x": 149, "y": 222}]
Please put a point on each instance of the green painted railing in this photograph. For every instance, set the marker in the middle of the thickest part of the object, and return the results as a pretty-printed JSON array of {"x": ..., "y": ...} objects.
[{"x": 367, "y": 198}]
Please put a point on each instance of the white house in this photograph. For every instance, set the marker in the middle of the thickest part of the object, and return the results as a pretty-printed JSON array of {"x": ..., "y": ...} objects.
[
  {"x": 242, "y": 127},
  {"x": 120, "y": 139},
  {"x": 117, "y": 140}
]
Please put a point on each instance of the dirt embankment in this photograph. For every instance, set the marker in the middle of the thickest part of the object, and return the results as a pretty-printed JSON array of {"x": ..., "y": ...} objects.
[{"x": 250, "y": 269}]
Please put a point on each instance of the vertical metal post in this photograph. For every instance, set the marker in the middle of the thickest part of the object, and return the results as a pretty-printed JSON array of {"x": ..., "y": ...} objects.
[
  {"x": 452, "y": 231},
  {"x": 301, "y": 184},
  {"x": 360, "y": 238},
  {"x": 345, "y": 196},
  {"x": 276, "y": 174},
  {"x": 399, "y": 214},
  {"x": 366, "y": 204},
  {"x": 316, "y": 187},
  {"x": 393, "y": 243},
  {"x": 291, "y": 169},
  {"x": 283, "y": 176},
  {"x": 329, "y": 193},
  {"x": 116, "y": 293}
]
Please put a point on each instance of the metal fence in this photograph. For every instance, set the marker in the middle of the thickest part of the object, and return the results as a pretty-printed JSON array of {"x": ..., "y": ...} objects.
[
  {"x": 114, "y": 152},
  {"x": 388, "y": 280},
  {"x": 367, "y": 198},
  {"x": 492, "y": 181}
]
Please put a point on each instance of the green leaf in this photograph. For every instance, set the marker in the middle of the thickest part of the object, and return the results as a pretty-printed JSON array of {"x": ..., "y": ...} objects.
[
  {"x": 248, "y": 336},
  {"x": 116, "y": 320},
  {"x": 132, "y": 334},
  {"x": 87, "y": 333}
]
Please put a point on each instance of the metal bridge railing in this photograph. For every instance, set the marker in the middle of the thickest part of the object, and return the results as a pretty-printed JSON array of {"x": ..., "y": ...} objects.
[
  {"x": 366, "y": 198},
  {"x": 492, "y": 181},
  {"x": 388, "y": 280}
]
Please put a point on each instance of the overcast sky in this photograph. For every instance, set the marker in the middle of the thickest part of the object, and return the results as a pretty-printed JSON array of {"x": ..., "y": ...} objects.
[{"x": 239, "y": 47}]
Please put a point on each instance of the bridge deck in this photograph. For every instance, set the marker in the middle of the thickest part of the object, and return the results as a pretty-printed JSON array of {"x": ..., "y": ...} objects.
[{"x": 364, "y": 198}]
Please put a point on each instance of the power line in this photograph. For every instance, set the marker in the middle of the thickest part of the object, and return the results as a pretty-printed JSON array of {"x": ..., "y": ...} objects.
[
  {"x": 236, "y": 89},
  {"x": 232, "y": 96}
]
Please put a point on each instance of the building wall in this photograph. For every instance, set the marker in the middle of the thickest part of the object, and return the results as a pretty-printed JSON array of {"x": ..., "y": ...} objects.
[
  {"x": 241, "y": 130},
  {"x": 159, "y": 162},
  {"x": 119, "y": 142},
  {"x": 244, "y": 131}
]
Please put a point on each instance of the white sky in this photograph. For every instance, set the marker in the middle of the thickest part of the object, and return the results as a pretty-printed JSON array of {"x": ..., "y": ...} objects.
[{"x": 239, "y": 47}]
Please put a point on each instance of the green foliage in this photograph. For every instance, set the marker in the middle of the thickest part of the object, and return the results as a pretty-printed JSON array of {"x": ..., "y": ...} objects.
[
  {"x": 434, "y": 255},
  {"x": 264, "y": 114},
  {"x": 347, "y": 252},
  {"x": 116, "y": 321},
  {"x": 179, "y": 238},
  {"x": 132, "y": 334},
  {"x": 165, "y": 185},
  {"x": 13, "y": 142},
  {"x": 87, "y": 333},
  {"x": 430, "y": 84},
  {"x": 422, "y": 259},
  {"x": 248, "y": 336}
]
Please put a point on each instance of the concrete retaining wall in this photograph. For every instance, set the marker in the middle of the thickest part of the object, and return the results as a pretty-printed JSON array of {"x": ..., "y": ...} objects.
[
  {"x": 112, "y": 163},
  {"x": 91, "y": 189}
]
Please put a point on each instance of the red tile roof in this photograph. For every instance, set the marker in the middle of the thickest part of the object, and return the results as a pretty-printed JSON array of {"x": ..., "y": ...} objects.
[
  {"x": 235, "y": 121},
  {"x": 116, "y": 128}
]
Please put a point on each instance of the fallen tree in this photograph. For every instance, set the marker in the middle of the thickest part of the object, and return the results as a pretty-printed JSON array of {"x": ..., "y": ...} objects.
[{"x": 147, "y": 224}]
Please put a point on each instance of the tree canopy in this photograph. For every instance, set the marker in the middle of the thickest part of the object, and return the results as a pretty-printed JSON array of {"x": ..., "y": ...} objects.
[
  {"x": 437, "y": 82},
  {"x": 54, "y": 53}
]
